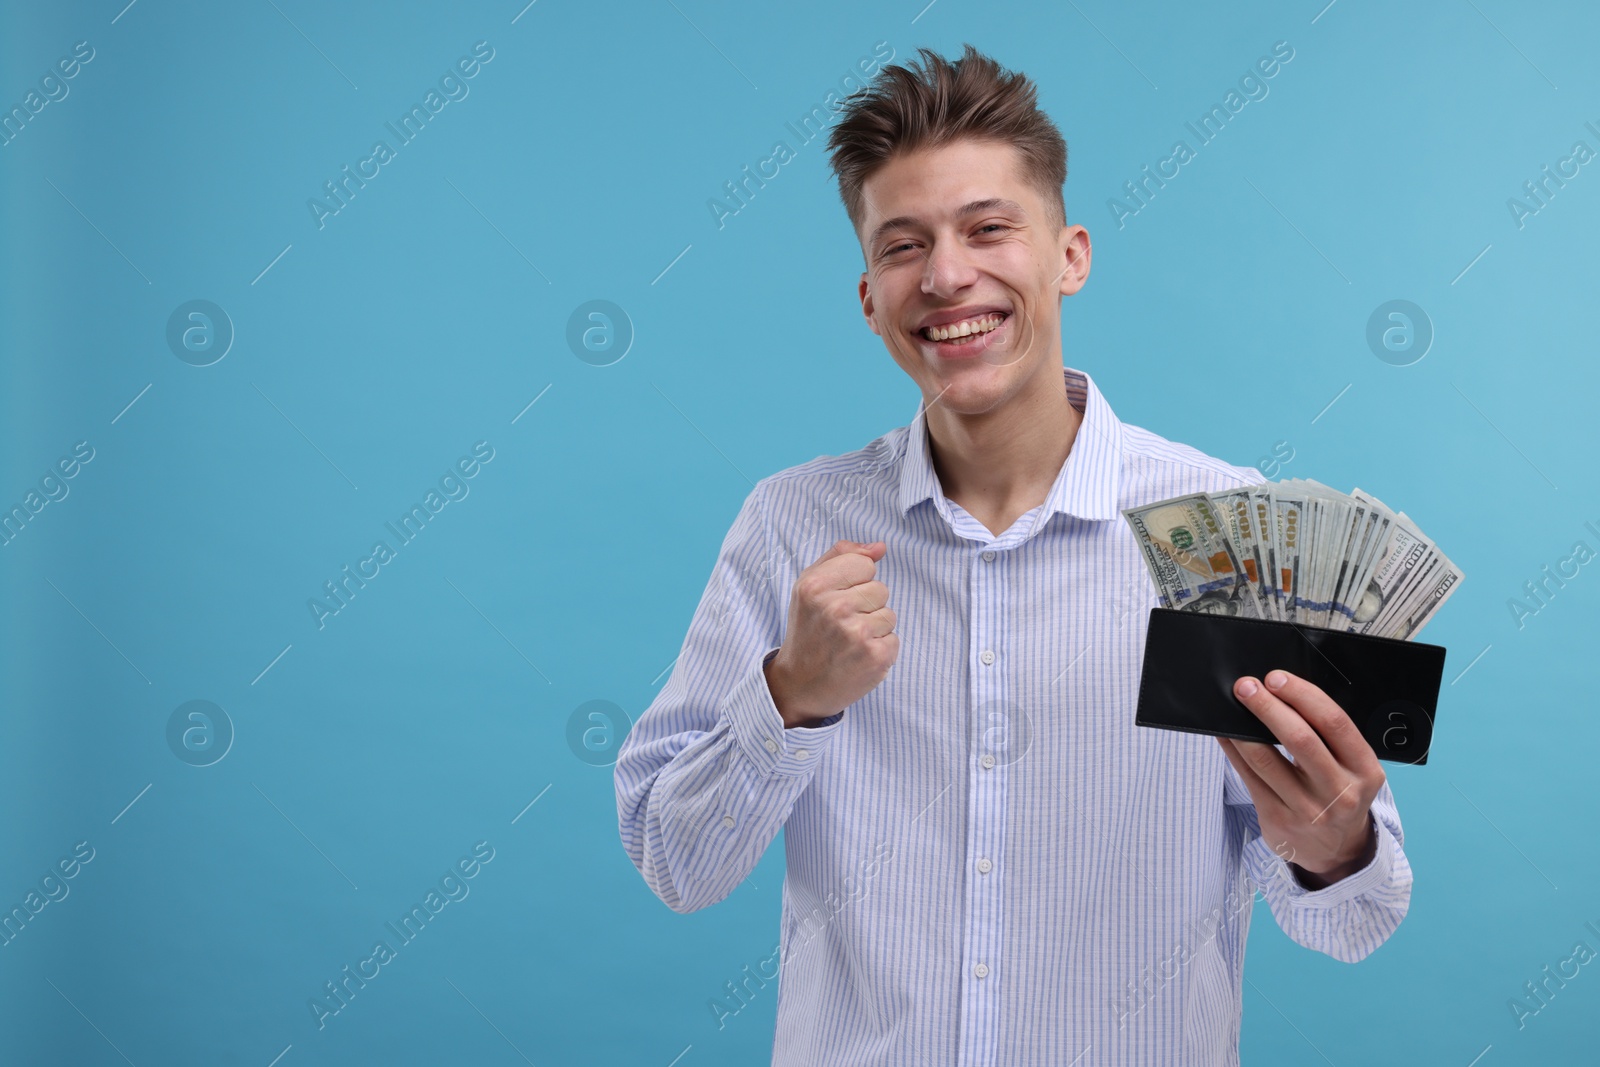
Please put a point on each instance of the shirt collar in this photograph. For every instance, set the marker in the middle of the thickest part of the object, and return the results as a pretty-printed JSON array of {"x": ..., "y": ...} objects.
[{"x": 1087, "y": 485}]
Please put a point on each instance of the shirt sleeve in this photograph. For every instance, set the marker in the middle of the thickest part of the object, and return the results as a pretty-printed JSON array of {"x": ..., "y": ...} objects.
[
  {"x": 1347, "y": 920},
  {"x": 709, "y": 774}
]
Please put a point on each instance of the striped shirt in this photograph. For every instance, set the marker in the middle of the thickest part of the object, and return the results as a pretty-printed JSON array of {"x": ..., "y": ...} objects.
[{"x": 987, "y": 862}]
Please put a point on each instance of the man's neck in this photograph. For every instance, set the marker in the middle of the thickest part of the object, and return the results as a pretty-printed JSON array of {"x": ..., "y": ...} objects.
[{"x": 1000, "y": 464}]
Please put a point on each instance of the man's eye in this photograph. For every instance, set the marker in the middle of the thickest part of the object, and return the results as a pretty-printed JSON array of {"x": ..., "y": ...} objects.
[
  {"x": 897, "y": 248},
  {"x": 994, "y": 226}
]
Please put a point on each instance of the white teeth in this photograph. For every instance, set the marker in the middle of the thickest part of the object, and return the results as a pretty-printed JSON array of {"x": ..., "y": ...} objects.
[{"x": 981, "y": 324}]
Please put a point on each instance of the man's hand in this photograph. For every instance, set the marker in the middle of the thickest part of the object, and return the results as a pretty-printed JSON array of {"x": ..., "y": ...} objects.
[
  {"x": 841, "y": 640},
  {"x": 1314, "y": 811}
]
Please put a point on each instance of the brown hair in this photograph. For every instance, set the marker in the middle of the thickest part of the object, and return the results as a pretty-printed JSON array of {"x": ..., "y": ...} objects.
[{"x": 973, "y": 98}]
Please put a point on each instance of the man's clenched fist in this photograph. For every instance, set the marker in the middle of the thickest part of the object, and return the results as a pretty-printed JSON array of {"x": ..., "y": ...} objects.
[{"x": 841, "y": 640}]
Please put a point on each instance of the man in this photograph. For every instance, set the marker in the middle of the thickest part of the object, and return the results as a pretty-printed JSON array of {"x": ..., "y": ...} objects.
[{"x": 987, "y": 861}]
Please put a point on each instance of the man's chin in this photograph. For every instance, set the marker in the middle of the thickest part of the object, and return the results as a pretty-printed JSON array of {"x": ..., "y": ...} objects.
[{"x": 971, "y": 389}]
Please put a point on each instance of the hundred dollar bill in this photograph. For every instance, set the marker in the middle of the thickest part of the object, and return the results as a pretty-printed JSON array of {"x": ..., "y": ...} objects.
[
  {"x": 1444, "y": 582},
  {"x": 1342, "y": 545},
  {"x": 1327, "y": 540},
  {"x": 1191, "y": 562},
  {"x": 1361, "y": 560},
  {"x": 1366, "y": 561},
  {"x": 1234, "y": 507},
  {"x": 1316, "y": 527},
  {"x": 1288, "y": 510},
  {"x": 1358, "y": 570},
  {"x": 1295, "y": 551},
  {"x": 1433, "y": 581},
  {"x": 1266, "y": 530},
  {"x": 1401, "y": 558},
  {"x": 1411, "y": 569}
]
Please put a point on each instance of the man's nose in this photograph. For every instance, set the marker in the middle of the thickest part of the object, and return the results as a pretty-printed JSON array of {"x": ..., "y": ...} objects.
[{"x": 948, "y": 268}]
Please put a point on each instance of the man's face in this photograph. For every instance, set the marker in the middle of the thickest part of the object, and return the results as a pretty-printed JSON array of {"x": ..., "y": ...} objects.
[{"x": 973, "y": 244}]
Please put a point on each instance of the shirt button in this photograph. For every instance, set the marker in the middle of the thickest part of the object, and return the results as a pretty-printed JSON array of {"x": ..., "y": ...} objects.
[
  {"x": 987, "y": 761},
  {"x": 981, "y": 970},
  {"x": 727, "y": 822},
  {"x": 987, "y": 656},
  {"x": 985, "y": 866},
  {"x": 801, "y": 753},
  {"x": 988, "y": 557},
  {"x": 772, "y": 746}
]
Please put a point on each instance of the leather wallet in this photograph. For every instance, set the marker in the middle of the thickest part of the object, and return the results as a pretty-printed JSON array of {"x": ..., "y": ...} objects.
[{"x": 1388, "y": 687}]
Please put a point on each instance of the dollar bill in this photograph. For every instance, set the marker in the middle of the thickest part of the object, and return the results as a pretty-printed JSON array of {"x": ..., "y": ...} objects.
[
  {"x": 1288, "y": 508},
  {"x": 1192, "y": 562},
  {"x": 1345, "y": 534},
  {"x": 1296, "y": 551},
  {"x": 1272, "y": 576},
  {"x": 1237, "y": 511}
]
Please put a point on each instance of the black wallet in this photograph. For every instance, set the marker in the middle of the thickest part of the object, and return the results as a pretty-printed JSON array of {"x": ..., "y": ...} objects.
[{"x": 1388, "y": 687}]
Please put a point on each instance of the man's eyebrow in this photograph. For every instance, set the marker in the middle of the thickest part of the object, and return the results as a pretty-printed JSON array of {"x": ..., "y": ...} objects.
[{"x": 993, "y": 203}]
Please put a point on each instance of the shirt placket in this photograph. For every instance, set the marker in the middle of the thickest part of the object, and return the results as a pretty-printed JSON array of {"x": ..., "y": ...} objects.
[{"x": 982, "y": 968}]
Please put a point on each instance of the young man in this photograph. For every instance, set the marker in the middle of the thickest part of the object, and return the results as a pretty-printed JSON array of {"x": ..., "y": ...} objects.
[{"x": 987, "y": 861}]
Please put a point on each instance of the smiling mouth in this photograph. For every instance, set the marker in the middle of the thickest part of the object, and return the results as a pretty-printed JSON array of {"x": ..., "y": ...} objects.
[{"x": 964, "y": 332}]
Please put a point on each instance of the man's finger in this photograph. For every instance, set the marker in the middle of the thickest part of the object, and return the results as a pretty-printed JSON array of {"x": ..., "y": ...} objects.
[
  {"x": 880, "y": 623},
  {"x": 1293, "y": 732},
  {"x": 1338, "y": 732},
  {"x": 845, "y": 565},
  {"x": 1267, "y": 767},
  {"x": 1260, "y": 791},
  {"x": 871, "y": 595}
]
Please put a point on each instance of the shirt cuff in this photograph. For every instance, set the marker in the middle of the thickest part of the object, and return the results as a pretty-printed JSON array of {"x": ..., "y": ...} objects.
[
  {"x": 1377, "y": 872},
  {"x": 758, "y": 728}
]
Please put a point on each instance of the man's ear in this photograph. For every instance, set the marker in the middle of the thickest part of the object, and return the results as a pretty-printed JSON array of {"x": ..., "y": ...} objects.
[
  {"x": 865, "y": 292},
  {"x": 1076, "y": 253}
]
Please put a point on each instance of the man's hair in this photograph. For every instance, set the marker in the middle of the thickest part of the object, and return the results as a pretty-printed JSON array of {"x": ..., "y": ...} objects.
[{"x": 906, "y": 108}]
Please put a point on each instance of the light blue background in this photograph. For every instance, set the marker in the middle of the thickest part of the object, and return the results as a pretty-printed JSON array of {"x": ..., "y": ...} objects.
[{"x": 427, "y": 314}]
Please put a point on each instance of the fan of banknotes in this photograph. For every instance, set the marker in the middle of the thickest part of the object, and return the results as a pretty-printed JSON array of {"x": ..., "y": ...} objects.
[{"x": 1295, "y": 551}]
